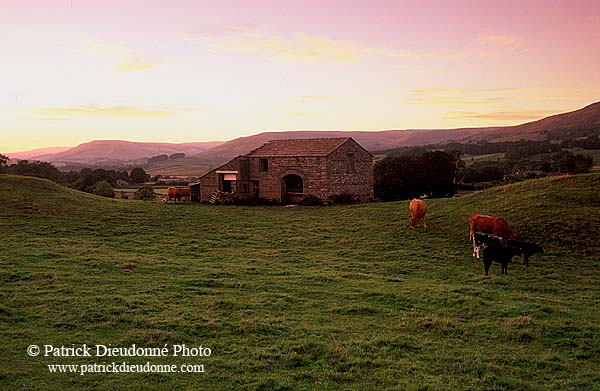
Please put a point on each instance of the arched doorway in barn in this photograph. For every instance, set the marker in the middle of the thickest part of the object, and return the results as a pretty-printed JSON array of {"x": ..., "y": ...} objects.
[{"x": 292, "y": 188}]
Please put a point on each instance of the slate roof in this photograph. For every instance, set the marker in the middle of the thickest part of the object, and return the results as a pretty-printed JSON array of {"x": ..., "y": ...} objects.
[{"x": 299, "y": 147}]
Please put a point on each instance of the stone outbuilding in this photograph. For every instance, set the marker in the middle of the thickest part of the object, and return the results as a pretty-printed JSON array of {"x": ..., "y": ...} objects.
[{"x": 289, "y": 170}]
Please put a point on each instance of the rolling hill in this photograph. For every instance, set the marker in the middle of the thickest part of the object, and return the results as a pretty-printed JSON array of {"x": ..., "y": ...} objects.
[
  {"x": 37, "y": 154},
  {"x": 344, "y": 297},
  {"x": 115, "y": 152},
  {"x": 557, "y": 127},
  {"x": 573, "y": 124}
]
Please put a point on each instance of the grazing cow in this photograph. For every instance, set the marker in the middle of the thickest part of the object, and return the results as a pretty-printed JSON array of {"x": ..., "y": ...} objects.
[
  {"x": 495, "y": 249},
  {"x": 175, "y": 193},
  {"x": 496, "y": 226},
  {"x": 478, "y": 246},
  {"x": 171, "y": 193},
  {"x": 526, "y": 248},
  {"x": 418, "y": 211},
  {"x": 501, "y": 250},
  {"x": 183, "y": 193}
]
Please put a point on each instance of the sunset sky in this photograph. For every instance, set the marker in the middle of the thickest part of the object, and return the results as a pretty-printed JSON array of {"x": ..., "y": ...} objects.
[{"x": 176, "y": 71}]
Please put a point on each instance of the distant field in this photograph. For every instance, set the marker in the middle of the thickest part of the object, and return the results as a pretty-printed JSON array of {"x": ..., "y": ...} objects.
[
  {"x": 196, "y": 171},
  {"x": 595, "y": 154},
  {"x": 302, "y": 298},
  {"x": 492, "y": 157},
  {"x": 188, "y": 166},
  {"x": 157, "y": 190}
]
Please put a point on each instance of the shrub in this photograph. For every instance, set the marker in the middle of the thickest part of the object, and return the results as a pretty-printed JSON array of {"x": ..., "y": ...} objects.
[
  {"x": 311, "y": 200},
  {"x": 145, "y": 193},
  {"x": 138, "y": 175},
  {"x": 104, "y": 189},
  {"x": 343, "y": 199}
]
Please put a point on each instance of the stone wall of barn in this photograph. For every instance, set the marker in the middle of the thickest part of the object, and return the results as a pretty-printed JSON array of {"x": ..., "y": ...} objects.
[
  {"x": 347, "y": 170},
  {"x": 312, "y": 170},
  {"x": 350, "y": 171},
  {"x": 209, "y": 183}
]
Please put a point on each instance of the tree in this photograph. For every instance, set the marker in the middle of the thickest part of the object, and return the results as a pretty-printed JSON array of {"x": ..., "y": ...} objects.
[
  {"x": 3, "y": 162},
  {"x": 36, "y": 169},
  {"x": 104, "y": 189},
  {"x": 138, "y": 175},
  {"x": 574, "y": 163},
  {"x": 145, "y": 193},
  {"x": 432, "y": 173}
]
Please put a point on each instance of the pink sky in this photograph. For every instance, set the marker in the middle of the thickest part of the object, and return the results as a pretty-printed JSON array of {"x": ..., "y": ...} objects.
[{"x": 74, "y": 71}]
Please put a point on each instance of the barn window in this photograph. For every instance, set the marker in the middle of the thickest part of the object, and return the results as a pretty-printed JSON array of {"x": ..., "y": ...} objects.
[
  {"x": 349, "y": 162},
  {"x": 226, "y": 181},
  {"x": 264, "y": 165}
]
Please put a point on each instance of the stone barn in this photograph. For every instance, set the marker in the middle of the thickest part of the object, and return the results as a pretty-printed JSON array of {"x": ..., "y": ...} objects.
[{"x": 288, "y": 170}]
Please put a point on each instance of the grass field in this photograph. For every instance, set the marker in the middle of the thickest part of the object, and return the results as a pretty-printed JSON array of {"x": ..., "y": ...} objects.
[
  {"x": 157, "y": 190},
  {"x": 302, "y": 298}
]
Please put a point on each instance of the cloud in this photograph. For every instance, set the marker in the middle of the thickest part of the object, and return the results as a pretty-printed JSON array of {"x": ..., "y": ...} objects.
[
  {"x": 297, "y": 114},
  {"x": 456, "y": 100},
  {"x": 317, "y": 97},
  {"x": 500, "y": 115},
  {"x": 298, "y": 47},
  {"x": 496, "y": 39},
  {"x": 134, "y": 65},
  {"x": 45, "y": 119},
  {"x": 489, "y": 46},
  {"x": 216, "y": 31},
  {"x": 123, "y": 58},
  {"x": 99, "y": 111},
  {"x": 458, "y": 96}
]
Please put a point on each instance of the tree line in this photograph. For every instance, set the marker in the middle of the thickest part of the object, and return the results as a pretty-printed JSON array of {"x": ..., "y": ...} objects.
[
  {"x": 408, "y": 173},
  {"x": 97, "y": 181},
  {"x": 417, "y": 172}
]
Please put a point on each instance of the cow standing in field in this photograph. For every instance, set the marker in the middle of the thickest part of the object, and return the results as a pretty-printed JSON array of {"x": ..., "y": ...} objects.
[
  {"x": 496, "y": 226},
  {"x": 171, "y": 193},
  {"x": 494, "y": 249},
  {"x": 418, "y": 211},
  {"x": 526, "y": 248},
  {"x": 177, "y": 194},
  {"x": 503, "y": 250},
  {"x": 183, "y": 194}
]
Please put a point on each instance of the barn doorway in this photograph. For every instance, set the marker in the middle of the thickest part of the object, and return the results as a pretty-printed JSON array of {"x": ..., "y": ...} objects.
[{"x": 292, "y": 188}]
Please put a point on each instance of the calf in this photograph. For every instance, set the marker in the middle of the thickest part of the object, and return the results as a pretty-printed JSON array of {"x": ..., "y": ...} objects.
[
  {"x": 495, "y": 249},
  {"x": 477, "y": 246},
  {"x": 526, "y": 248}
]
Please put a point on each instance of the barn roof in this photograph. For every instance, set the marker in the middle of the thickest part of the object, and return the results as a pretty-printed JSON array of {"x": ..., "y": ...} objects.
[{"x": 299, "y": 147}]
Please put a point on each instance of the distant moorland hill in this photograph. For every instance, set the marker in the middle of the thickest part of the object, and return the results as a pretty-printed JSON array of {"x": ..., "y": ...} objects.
[
  {"x": 579, "y": 123},
  {"x": 557, "y": 127},
  {"x": 114, "y": 152}
]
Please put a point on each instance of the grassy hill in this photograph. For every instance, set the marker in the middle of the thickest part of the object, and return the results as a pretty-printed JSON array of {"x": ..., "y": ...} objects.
[
  {"x": 301, "y": 298},
  {"x": 574, "y": 124}
]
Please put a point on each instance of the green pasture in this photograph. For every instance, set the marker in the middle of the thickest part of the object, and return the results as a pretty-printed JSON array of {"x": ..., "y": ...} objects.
[
  {"x": 157, "y": 190},
  {"x": 301, "y": 298}
]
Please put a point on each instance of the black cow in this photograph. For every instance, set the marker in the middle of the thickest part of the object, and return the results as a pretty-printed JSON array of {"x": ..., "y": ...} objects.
[
  {"x": 526, "y": 248},
  {"x": 502, "y": 251}
]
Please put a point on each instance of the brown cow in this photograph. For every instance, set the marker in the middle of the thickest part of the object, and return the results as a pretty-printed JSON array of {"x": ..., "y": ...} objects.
[
  {"x": 177, "y": 194},
  {"x": 183, "y": 193},
  {"x": 496, "y": 226},
  {"x": 171, "y": 192},
  {"x": 418, "y": 211}
]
